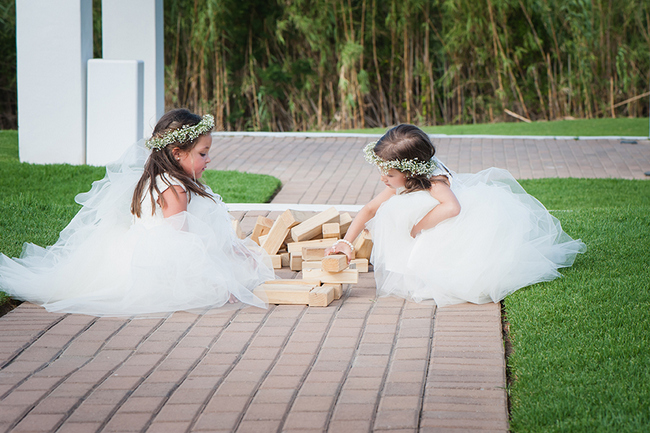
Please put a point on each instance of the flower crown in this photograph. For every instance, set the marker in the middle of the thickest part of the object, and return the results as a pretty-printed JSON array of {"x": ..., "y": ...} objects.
[
  {"x": 414, "y": 166},
  {"x": 182, "y": 134}
]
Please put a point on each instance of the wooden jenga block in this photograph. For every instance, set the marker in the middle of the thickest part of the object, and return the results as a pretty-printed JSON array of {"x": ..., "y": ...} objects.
[
  {"x": 236, "y": 226},
  {"x": 286, "y": 260},
  {"x": 360, "y": 265},
  {"x": 331, "y": 230},
  {"x": 296, "y": 247},
  {"x": 280, "y": 229},
  {"x": 295, "y": 262},
  {"x": 292, "y": 281},
  {"x": 363, "y": 245},
  {"x": 344, "y": 223},
  {"x": 334, "y": 263},
  {"x": 321, "y": 296},
  {"x": 295, "y": 294},
  {"x": 277, "y": 261},
  {"x": 310, "y": 228},
  {"x": 348, "y": 276},
  {"x": 338, "y": 289},
  {"x": 262, "y": 239},
  {"x": 313, "y": 253},
  {"x": 311, "y": 264},
  {"x": 262, "y": 227}
]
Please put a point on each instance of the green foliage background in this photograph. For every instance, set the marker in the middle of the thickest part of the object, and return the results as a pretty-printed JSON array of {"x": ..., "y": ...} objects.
[{"x": 342, "y": 64}]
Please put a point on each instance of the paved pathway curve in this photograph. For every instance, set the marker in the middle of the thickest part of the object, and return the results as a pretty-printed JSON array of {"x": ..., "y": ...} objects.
[{"x": 360, "y": 364}]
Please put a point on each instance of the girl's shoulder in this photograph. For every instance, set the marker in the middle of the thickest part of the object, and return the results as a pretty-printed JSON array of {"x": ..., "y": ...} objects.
[{"x": 165, "y": 180}]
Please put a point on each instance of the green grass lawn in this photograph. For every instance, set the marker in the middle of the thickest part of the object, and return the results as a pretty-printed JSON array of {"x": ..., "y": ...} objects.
[
  {"x": 581, "y": 351},
  {"x": 37, "y": 201},
  {"x": 637, "y": 127}
]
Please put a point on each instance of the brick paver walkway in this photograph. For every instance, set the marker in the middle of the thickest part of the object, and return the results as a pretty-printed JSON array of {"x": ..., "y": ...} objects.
[{"x": 361, "y": 364}]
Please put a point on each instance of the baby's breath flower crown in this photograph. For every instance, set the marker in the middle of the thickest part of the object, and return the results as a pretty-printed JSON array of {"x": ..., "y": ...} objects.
[
  {"x": 182, "y": 135},
  {"x": 413, "y": 166}
]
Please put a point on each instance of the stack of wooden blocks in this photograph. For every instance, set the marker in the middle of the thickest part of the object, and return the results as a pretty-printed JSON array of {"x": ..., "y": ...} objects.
[{"x": 298, "y": 241}]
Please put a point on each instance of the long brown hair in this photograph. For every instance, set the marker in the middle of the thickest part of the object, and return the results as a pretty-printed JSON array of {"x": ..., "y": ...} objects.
[
  {"x": 163, "y": 162},
  {"x": 404, "y": 142}
]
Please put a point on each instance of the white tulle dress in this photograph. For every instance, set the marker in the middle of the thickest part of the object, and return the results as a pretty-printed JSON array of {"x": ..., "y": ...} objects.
[
  {"x": 502, "y": 240},
  {"x": 109, "y": 263}
]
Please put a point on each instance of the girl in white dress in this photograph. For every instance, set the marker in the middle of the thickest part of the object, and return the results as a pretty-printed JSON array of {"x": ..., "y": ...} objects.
[
  {"x": 453, "y": 237},
  {"x": 174, "y": 250}
]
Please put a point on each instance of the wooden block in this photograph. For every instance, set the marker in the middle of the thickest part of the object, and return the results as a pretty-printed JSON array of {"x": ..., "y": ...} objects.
[
  {"x": 236, "y": 226},
  {"x": 344, "y": 223},
  {"x": 262, "y": 227},
  {"x": 348, "y": 276},
  {"x": 334, "y": 263},
  {"x": 292, "y": 281},
  {"x": 331, "y": 230},
  {"x": 360, "y": 265},
  {"x": 310, "y": 228},
  {"x": 294, "y": 294},
  {"x": 262, "y": 239},
  {"x": 313, "y": 253},
  {"x": 277, "y": 261},
  {"x": 295, "y": 262},
  {"x": 363, "y": 245},
  {"x": 280, "y": 229},
  {"x": 321, "y": 296},
  {"x": 311, "y": 264},
  {"x": 286, "y": 260},
  {"x": 338, "y": 289},
  {"x": 296, "y": 247}
]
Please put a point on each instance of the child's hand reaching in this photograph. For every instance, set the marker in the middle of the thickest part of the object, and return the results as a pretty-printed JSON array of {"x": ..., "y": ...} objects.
[{"x": 341, "y": 247}]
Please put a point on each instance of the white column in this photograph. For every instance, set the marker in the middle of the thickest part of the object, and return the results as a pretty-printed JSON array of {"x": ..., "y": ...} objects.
[
  {"x": 133, "y": 30},
  {"x": 115, "y": 95},
  {"x": 54, "y": 42}
]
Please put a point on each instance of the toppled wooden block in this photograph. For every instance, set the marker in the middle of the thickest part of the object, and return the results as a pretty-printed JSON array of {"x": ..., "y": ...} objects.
[
  {"x": 288, "y": 292},
  {"x": 295, "y": 262},
  {"x": 286, "y": 259},
  {"x": 296, "y": 247},
  {"x": 313, "y": 226},
  {"x": 334, "y": 263},
  {"x": 313, "y": 253},
  {"x": 338, "y": 289},
  {"x": 277, "y": 261},
  {"x": 236, "y": 226},
  {"x": 360, "y": 265},
  {"x": 348, "y": 276},
  {"x": 331, "y": 230},
  {"x": 321, "y": 296},
  {"x": 311, "y": 264},
  {"x": 262, "y": 227},
  {"x": 344, "y": 223},
  {"x": 281, "y": 228},
  {"x": 363, "y": 245}
]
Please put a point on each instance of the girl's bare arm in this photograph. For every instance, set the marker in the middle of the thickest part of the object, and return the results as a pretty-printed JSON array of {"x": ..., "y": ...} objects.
[
  {"x": 173, "y": 203},
  {"x": 358, "y": 224},
  {"x": 448, "y": 207}
]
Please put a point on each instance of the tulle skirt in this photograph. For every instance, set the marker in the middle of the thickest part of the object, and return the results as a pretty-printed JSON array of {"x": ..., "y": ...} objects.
[
  {"x": 502, "y": 240},
  {"x": 106, "y": 263}
]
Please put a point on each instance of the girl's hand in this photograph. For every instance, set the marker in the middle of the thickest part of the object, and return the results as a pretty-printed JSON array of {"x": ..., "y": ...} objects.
[{"x": 340, "y": 248}]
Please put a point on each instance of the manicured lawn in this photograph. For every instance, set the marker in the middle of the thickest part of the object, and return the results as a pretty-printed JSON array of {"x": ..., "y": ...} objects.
[
  {"x": 637, "y": 127},
  {"x": 581, "y": 352},
  {"x": 37, "y": 201}
]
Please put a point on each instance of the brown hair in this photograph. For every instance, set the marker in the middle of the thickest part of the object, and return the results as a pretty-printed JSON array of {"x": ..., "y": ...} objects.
[
  {"x": 404, "y": 142},
  {"x": 163, "y": 162}
]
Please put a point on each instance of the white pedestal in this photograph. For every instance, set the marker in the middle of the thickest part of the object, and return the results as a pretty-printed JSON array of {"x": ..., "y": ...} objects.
[
  {"x": 115, "y": 98},
  {"x": 54, "y": 42},
  {"x": 133, "y": 30}
]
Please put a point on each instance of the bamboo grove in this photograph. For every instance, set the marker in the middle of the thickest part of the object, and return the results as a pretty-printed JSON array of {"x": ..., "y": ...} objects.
[{"x": 294, "y": 65}]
